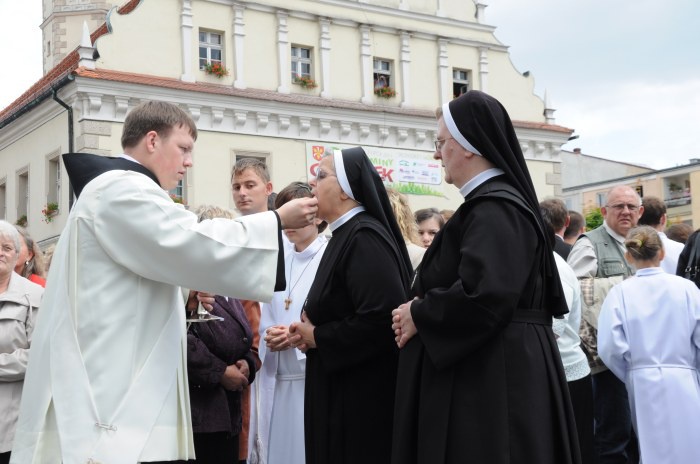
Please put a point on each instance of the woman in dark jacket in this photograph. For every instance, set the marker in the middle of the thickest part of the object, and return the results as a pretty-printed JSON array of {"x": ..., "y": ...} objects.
[{"x": 220, "y": 364}]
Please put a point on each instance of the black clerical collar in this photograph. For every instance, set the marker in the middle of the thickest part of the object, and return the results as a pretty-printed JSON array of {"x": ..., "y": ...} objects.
[{"x": 84, "y": 167}]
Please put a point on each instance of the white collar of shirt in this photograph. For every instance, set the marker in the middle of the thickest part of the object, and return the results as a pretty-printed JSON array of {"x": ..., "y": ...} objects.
[
  {"x": 345, "y": 218},
  {"x": 479, "y": 179},
  {"x": 618, "y": 238},
  {"x": 127, "y": 157}
]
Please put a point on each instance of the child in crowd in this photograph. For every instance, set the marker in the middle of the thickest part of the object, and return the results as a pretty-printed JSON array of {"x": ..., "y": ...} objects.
[{"x": 649, "y": 337}]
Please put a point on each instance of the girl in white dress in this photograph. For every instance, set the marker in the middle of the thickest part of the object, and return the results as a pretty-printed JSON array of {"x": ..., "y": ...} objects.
[
  {"x": 281, "y": 405},
  {"x": 649, "y": 337}
]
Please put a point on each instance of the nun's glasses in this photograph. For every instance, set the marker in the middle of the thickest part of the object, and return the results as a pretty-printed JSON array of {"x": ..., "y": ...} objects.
[
  {"x": 320, "y": 175},
  {"x": 440, "y": 142}
]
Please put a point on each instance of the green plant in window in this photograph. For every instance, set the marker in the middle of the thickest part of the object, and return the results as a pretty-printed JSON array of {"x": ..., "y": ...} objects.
[
  {"x": 49, "y": 211},
  {"x": 385, "y": 92},
  {"x": 305, "y": 81},
  {"x": 177, "y": 199},
  {"x": 216, "y": 69}
]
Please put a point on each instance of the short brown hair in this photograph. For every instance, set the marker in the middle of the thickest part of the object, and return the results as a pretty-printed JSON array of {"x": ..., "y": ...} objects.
[
  {"x": 557, "y": 212},
  {"x": 654, "y": 209},
  {"x": 429, "y": 213},
  {"x": 293, "y": 191},
  {"x": 157, "y": 116},
  {"x": 576, "y": 223},
  {"x": 255, "y": 164},
  {"x": 679, "y": 232}
]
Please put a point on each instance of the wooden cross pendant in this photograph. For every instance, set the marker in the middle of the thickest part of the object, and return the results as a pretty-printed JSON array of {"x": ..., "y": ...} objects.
[{"x": 287, "y": 302}]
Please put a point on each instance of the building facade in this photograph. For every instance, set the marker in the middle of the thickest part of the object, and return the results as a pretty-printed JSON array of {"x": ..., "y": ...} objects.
[
  {"x": 285, "y": 81},
  {"x": 678, "y": 187}
]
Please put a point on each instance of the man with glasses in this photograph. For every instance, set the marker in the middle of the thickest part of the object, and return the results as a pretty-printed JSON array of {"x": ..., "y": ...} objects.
[{"x": 598, "y": 260}]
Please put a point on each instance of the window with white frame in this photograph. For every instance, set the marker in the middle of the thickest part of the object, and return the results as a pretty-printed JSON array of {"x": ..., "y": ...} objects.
[
  {"x": 382, "y": 73},
  {"x": 460, "y": 81},
  {"x": 237, "y": 155},
  {"x": 22, "y": 195},
  {"x": 53, "y": 181},
  {"x": 301, "y": 62},
  {"x": 601, "y": 198},
  {"x": 3, "y": 198},
  {"x": 178, "y": 193},
  {"x": 210, "y": 48},
  {"x": 259, "y": 155}
]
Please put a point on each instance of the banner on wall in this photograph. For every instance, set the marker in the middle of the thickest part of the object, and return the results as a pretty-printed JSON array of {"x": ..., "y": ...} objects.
[{"x": 407, "y": 171}]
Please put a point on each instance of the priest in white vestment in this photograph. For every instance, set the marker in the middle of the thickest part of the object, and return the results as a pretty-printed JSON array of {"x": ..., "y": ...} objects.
[{"x": 107, "y": 378}]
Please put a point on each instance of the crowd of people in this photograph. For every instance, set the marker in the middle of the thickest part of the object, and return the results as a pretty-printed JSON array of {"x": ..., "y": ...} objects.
[{"x": 346, "y": 327}]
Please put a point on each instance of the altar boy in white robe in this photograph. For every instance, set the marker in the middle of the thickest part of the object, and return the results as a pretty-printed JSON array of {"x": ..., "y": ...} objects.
[
  {"x": 649, "y": 337},
  {"x": 282, "y": 376},
  {"x": 107, "y": 379}
]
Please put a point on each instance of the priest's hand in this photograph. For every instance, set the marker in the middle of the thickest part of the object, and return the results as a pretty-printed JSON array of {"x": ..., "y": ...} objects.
[
  {"x": 402, "y": 324},
  {"x": 298, "y": 213},
  {"x": 301, "y": 334},
  {"x": 233, "y": 379},
  {"x": 207, "y": 300},
  {"x": 277, "y": 338}
]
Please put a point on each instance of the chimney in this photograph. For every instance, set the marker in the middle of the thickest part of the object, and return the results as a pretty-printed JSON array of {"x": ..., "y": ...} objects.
[{"x": 86, "y": 51}]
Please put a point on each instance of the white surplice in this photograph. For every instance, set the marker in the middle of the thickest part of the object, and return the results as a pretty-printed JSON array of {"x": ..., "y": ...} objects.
[
  {"x": 281, "y": 377},
  {"x": 649, "y": 337},
  {"x": 107, "y": 379}
]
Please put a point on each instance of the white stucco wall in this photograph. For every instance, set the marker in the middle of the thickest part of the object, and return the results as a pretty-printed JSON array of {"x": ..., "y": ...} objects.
[
  {"x": 30, "y": 151},
  {"x": 147, "y": 40}
]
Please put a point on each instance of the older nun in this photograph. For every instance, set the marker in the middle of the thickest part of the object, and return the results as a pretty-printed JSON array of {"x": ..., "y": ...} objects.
[
  {"x": 481, "y": 379},
  {"x": 19, "y": 301},
  {"x": 346, "y": 325}
]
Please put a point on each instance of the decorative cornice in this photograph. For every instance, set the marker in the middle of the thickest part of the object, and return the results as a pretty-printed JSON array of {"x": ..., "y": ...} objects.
[{"x": 267, "y": 113}]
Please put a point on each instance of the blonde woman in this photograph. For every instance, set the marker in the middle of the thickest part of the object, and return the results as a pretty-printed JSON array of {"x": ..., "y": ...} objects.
[{"x": 407, "y": 224}]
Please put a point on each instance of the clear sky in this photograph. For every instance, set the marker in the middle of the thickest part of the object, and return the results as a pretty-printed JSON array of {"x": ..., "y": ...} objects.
[
  {"x": 20, "y": 47},
  {"x": 624, "y": 74}
]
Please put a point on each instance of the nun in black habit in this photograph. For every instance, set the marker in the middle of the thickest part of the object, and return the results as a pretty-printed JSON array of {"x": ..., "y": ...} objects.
[
  {"x": 480, "y": 378},
  {"x": 346, "y": 325}
]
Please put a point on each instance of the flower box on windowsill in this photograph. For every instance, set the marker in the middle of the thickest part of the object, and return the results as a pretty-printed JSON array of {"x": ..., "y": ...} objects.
[
  {"x": 385, "y": 92},
  {"x": 22, "y": 221},
  {"x": 216, "y": 69},
  {"x": 178, "y": 199},
  {"x": 306, "y": 82},
  {"x": 49, "y": 211}
]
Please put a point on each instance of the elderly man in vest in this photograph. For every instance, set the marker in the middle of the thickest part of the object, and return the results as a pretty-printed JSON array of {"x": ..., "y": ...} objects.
[{"x": 598, "y": 261}]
